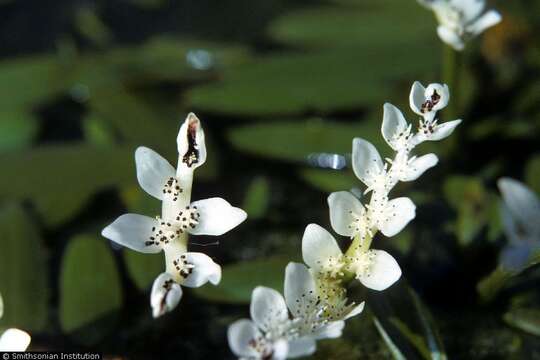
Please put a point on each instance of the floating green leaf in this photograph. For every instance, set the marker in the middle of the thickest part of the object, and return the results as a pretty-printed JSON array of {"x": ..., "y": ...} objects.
[
  {"x": 324, "y": 81},
  {"x": 143, "y": 268},
  {"x": 89, "y": 283},
  {"x": 29, "y": 81},
  {"x": 257, "y": 198},
  {"x": 18, "y": 129},
  {"x": 368, "y": 26},
  {"x": 524, "y": 319},
  {"x": 239, "y": 280},
  {"x": 295, "y": 140},
  {"x": 23, "y": 275},
  {"x": 60, "y": 179},
  {"x": 139, "y": 122},
  {"x": 160, "y": 59},
  {"x": 329, "y": 180}
]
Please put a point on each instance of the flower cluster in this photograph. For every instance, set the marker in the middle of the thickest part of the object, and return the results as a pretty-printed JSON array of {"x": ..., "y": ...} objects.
[
  {"x": 288, "y": 327},
  {"x": 520, "y": 214},
  {"x": 316, "y": 303},
  {"x": 460, "y": 20},
  {"x": 179, "y": 217}
]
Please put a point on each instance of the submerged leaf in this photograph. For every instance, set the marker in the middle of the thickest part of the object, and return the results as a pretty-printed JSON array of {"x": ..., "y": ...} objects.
[
  {"x": 524, "y": 319},
  {"x": 499, "y": 278},
  {"x": 405, "y": 324}
]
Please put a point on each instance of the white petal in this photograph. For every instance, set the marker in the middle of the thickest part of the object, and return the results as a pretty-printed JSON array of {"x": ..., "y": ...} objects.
[
  {"x": 418, "y": 166},
  {"x": 469, "y": 8},
  {"x": 383, "y": 271},
  {"x": 485, "y": 21},
  {"x": 443, "y": 130},
  {"x": 393, "y": 126},
  {"x": 299, "y": 285},
  {"x": 357, "y": 310},
  {"x": 191, "y": 143},
  {"x": 366, "y": 160},
  {"x": 153, "y": 171},
  {"x": 133, "y": 231},
  {"x": 451, "y": 38},
  {"x": 523, "y": 205},
  {"x": 280, "y": 349},
  {"x": 318, "y": 245},
  {"x": 331, "y": 330},
  {"x": 301, "y": 347},
  {"x": 268, "y": 308},
  {"x": 239, "y": 335},
  {"x": 217, "y": 216},
  {"x": 14, "y": 340},
  {"x": 399, "y": 212},
  {"x": 417, "y": 97},
  {"x": 204, "y": 269},
  {"x": 439, "y": 94},
  {"x": 165, "y": 296},
  {"x": 341, "y": 204}
]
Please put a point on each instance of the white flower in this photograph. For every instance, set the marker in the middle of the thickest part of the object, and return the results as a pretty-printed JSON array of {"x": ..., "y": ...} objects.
[
  {"x": 214, "y": 216},
  {"x": 375, "y": 269},
  {"x": 349, "y": 218},
  {"x": 460, "y": 20},
  {"x": 270, "y": 334},
  {"x": 426, "y": 102},
  {"x": 316, "y": 312},
  {"x": 14, "y": 340},
  {"x": 520, "y": 217},
  {"x": 179, "y": 217}
]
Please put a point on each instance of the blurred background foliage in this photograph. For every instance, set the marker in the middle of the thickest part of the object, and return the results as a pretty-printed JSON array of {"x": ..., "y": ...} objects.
[{"x": 83, "y": 83}]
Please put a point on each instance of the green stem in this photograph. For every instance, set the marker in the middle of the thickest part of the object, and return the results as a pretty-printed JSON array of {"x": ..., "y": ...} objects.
[
  {"x": 451, "y": 77},
  {"x": 358, "y": 245}
]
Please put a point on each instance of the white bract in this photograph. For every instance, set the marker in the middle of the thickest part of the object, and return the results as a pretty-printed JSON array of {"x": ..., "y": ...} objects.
[
  {"x": 13, "y": 339},
  {"x": 179, "y": 217},
  {"x": 460, "y": 20},
  {"x": 520, "y": 214},
  {"x": 375, "y": 269}
]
